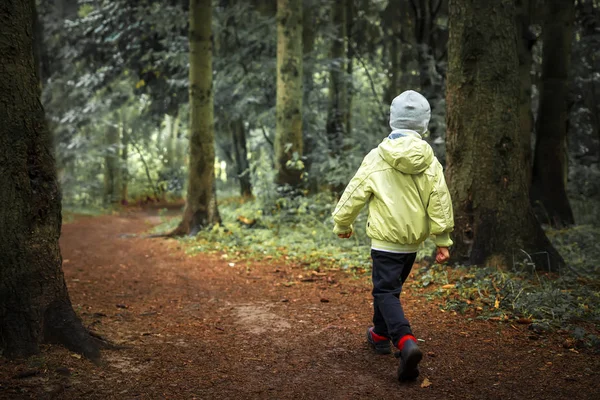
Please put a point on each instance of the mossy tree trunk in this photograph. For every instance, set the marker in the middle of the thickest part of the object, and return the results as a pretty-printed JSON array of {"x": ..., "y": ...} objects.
[
  {"x": 548, "y": 189},
  {"x": 34, "y": 303},
  {"x": 238, "y": 133},
  {"x": 288, "y": 131},
  {"x": 201, "y": 200},
  {"x": 495, "y": 224},
  {"x": 337, "y": 113}
]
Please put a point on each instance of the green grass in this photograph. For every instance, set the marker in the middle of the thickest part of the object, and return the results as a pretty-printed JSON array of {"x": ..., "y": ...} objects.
[{"x": 70, "y": 213}]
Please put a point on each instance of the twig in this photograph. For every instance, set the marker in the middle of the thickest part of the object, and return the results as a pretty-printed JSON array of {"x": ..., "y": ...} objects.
[
  {"x": 135, "y": 146},
  {"x": 264, "y": 132},
  {"x": 361, "y": 61}
]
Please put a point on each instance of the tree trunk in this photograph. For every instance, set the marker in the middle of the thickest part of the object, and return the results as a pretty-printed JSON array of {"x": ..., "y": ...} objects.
[
  {"x": 238, "y": 132},
  {"x": 288, "y": 131},
  {"x": 201, "y": 201},
  {"x": 350, "y": 15},
  {"x": 525, "y": 45},
  {"x": 431, "y": 82},
  {"x": 309, "y": 137},
  {"x": 111, "y": 166},
  {"x": 172, "y": 156},
  {"x": 124, "y": 160},
  {"x": 399, "y": 35},
  {"x": 34, "y": 303},
  {"x": 337, "y": 114},
  {"x": 548, "y": 189},
  {"x": 495, "y": 224}
]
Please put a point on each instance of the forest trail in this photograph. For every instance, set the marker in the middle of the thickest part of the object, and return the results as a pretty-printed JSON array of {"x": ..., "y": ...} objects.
[{"x": 211, "y": 327}]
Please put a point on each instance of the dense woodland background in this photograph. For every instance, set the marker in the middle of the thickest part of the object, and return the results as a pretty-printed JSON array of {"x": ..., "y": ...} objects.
[
  {"x": 116, "y": 77},
  {"x": 257, "y": 113}
]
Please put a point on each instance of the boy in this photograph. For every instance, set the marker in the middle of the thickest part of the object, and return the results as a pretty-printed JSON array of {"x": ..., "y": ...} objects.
[{"x": 403, "y": 184}]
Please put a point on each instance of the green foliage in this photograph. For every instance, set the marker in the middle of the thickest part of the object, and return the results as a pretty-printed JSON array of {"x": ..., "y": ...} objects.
[
  {"x": 495, "y": 293},
  {"x": 295, "y": 230},
  {"x": 556, "y": 300},
  {"x": 580, "y": 247}
]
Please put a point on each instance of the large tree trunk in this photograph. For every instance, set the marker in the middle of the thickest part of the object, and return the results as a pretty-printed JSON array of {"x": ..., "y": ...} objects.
[
  {"x": 34, "y": 303},
  {"x": 201, "y": 201},
  {"x": 495, "y": 224},
  {"x": 238, "y": 132},
  {"x": 288, "y": 131},
  {"x": 548, "y": 189},
  {"x": 337, "y": 114},
  {"x": 111, "y": 166}
]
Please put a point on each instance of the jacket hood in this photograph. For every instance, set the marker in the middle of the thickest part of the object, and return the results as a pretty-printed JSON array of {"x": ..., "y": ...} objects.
[
  {"x": 405, "y": 151},
  {"x": 410, "y": 110}
]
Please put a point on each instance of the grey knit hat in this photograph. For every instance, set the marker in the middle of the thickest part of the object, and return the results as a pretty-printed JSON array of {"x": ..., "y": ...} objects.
[{"x": 410, "y": 110}]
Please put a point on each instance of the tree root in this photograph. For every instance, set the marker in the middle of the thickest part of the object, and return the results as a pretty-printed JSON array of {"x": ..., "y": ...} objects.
[{"x": 62, "y": 326}]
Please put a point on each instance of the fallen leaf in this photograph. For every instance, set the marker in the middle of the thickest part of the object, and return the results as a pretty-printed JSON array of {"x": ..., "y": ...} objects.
[
  {"x": 75, "y": 355},
  {"x": 426, "y": 383}
]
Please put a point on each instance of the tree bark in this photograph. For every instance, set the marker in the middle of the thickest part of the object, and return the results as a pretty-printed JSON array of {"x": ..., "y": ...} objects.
[
  {"x": 124, "y": 160},
  {"x": 111, "y": 166},
  {"x": 427, "y": 41},
  {"x": 525, "y": 44},
  {"x": 172, "y": 156},
  {"x": 34, "y": 302},
  {"x": 548, "y": 189},
  {"x": 495, "y": 224},
  {"x": 288, "y": 131},
  {"x": 238, "y": 132},
  {"x": 337, "y": 114},
  {"x": 392, "y": 44},
  {"x": 201, "y": 202}
]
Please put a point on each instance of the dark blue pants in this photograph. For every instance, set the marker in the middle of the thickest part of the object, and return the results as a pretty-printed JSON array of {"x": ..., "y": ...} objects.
[{"x": 390, "y": 270}]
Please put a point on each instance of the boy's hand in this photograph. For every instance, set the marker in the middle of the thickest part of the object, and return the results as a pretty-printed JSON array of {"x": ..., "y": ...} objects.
[
  {"x": 442, "y": 255},
  {"x": 345, "y": 235}
]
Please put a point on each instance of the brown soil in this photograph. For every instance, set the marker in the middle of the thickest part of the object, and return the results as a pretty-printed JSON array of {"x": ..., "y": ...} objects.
[{"x": 211, "y": 327}]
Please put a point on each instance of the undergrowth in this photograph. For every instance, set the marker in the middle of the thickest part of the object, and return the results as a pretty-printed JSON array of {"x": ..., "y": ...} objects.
[
  {"x": 561, "y": 300},
  {"x": 297, "y": 230}
]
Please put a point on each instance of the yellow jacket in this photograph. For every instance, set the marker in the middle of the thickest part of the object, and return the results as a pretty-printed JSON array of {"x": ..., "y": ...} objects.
[{"x": 403, "y": 183}]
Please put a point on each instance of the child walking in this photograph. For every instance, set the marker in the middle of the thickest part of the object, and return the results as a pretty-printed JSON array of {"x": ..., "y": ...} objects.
[{"x": 403, "y": 184}]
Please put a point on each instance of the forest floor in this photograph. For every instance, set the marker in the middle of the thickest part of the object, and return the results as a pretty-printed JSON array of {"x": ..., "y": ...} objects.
[{"x": 208, "y": 327}]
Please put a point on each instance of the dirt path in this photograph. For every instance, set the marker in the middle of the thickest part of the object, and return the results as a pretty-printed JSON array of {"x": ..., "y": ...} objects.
[{"x": 207, "y": 327}]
